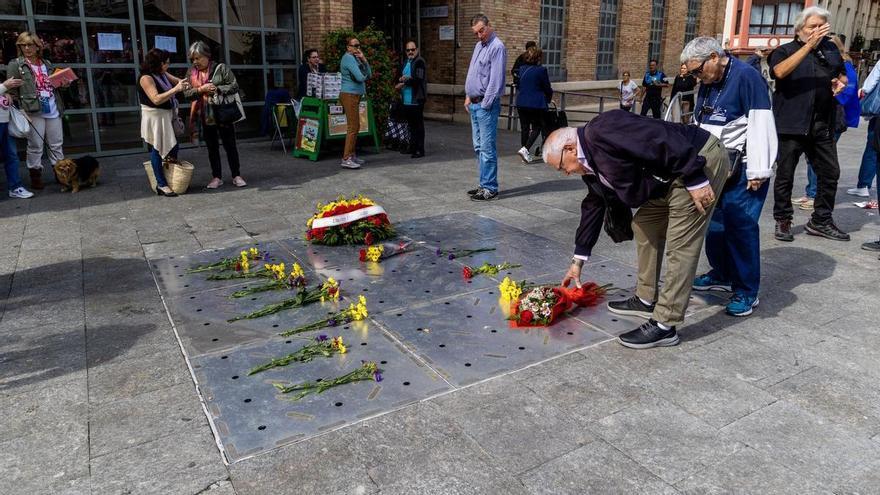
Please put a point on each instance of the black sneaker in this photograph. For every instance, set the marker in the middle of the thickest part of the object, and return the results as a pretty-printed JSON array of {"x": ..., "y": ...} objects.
[
  {"x": 471, "y": 192},
  {"x": 649, "y": 335},
  {"x": 783, "y": 231},
  {"x": 828, "y": 231},
  {"x": 484, "y": 195},
  {"x": 871, "y": 246},
  {"x": 632, "y": 307}
]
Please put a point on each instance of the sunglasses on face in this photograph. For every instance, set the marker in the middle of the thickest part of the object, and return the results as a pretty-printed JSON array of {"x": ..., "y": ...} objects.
[
  {"x": 410, "y": 50},
  {"x": 699, "y": 70}
]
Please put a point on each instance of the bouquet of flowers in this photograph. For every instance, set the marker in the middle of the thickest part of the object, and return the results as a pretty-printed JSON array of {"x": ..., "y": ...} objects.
[
  {"x": 349, "y": 221},
  {"x": 355, "y": 312},
  {"x": 296, "y": 279},
  {"x": 238, "y": 263},
  {"x": 486, "y": 268},
  {"x": 367, "y": 371},
  {"x": 322, "y": 347},
  {"x": 329, "y": 290},
  {"x": 542, "y": 305},
  {"x": 451, "y": 254},
  {"x": 383, "y": 251}
]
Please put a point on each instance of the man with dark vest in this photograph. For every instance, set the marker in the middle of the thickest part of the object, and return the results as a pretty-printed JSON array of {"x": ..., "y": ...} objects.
[{"x": 672, "y": 173}]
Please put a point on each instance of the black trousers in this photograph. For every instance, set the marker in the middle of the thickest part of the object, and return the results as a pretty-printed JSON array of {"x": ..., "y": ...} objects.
[
  {"x": 531, "y": 122},
  {"x": 212, "y": 134},
  {"x": 415, "y": 119},
  {"x": 654, "y": 103},
  {"x": 819, "y": 147}
]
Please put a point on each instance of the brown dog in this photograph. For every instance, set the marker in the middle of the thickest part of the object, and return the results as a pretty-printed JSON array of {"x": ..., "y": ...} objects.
[{"x": 71, "y": 174}]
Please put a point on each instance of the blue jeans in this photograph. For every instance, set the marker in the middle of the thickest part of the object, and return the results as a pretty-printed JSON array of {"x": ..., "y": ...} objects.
[
  {"x": 484, "y": 130},
  {"x": 810, "y": 190},
  {"x": 733, "y": 241},
  {"x": 156, "y": 161},
  {"x": 10, "y": 157},
  {"x": 868, "y": 168}
]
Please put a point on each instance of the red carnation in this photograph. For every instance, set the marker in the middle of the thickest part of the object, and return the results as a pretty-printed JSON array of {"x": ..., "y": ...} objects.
[
  {"x": 525, "y": 317},
  {"x": 368, "y": 239},
  {"x": 319, "y": 234},
  {"x": 238, "y": 266},
  {"x": 375, "y": 221},
  {"x": 467, "y": 272},
  {"x": 362, "y": 255}
]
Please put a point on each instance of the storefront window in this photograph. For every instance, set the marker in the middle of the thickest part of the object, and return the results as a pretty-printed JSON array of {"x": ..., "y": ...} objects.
[
  {"x": 114, "y": 88},
  {"x": 62, "y": 41},
  {"x": 51, "y": 7},
  {"x": 166, "y": 37},
  {"x": 77, "y": 94},
  {"x": 243, "y": 13},
  {"x": 251, "y": 83},
  {"x": 9, "y": 31},
  {"x": 280, "y": 48},
  {"x": 123, "y": 130},
  {"x": 245, "y": 47},
  {"x": 211, "y": 36},
  {"x": 117, "y": 9},
  {"x": 110, "y": 43},
  {"x": 203, "y": 11},
  {"x": 12, "y": 7},
  {"x": 278, "y": 14},
  {"x": 79, "y": 135},
  {"x": 163, "y": 10}
]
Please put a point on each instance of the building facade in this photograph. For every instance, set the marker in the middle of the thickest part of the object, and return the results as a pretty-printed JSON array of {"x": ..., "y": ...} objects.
[{"x": 104, "y": 41}]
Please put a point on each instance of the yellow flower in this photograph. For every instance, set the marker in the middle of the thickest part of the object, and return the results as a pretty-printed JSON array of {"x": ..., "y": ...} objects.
[
  {"x": 253, "y": 253},
  {"x": 309, "y": 222},
  {"x": 297, "y": 271},
  {"x": 509, "y": 289},
  {"x": 337, "y": 344},
  {"x": 330, "y": 290},
  {"x": 245, "y": 265},
  {"x": 374, "y": 253}
]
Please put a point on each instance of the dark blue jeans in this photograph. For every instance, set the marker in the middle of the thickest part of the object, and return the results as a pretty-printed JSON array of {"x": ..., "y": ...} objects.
[
  {"x": 9, "y": 153},
  {"x": 733, "y": 241},
  {"x": 156, "y": 161}
]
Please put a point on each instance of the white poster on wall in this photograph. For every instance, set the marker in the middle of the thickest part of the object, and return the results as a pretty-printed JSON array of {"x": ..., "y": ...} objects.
[
  {"x": 110, "y": 42},
  {"x": 167, "y": 43},
  {"x": 447, "y": 33}
]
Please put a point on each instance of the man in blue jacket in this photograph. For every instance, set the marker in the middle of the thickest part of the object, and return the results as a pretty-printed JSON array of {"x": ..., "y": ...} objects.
[
  {"x": 734, "y": 105},
  {"x": 672, "y": 173}
]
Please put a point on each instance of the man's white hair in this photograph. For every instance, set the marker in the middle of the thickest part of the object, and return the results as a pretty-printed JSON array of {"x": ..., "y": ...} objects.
[
  {"x": 810, "y": 12},
  {"x": 701, "y": 49},
  {"x": 557, "y": 140}
]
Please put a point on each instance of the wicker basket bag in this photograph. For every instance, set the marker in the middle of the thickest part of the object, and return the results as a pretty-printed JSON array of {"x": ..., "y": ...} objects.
[{"x": 178, "y": 174}]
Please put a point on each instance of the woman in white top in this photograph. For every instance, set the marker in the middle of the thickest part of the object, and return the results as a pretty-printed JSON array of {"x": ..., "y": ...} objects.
[
  {"x": 39, "y": 98},
  {"x": 7, "y": 144},
  {"x": 628, "y": 91}
]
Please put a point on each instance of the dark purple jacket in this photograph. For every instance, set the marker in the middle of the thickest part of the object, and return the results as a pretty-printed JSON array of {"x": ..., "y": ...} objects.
[{"x": 640, "y": 157}]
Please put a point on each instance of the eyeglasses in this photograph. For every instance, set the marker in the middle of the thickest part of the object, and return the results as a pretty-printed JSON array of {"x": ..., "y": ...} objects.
[
  {"x": 561, "y": 157},
  {"x": 699, "y": 70},
  {"x": 410, "y": 50}
]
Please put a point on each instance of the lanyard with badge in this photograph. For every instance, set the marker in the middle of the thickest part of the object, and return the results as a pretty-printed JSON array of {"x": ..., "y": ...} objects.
[
  {"x": 44, "y": 86},
  {"x": 735, "y": 157}
]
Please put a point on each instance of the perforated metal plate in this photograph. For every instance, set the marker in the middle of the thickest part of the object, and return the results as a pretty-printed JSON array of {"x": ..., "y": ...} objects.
[
  {"x": 251, "y": 416},
  {"x": 454, "y": 228},
  {"x": 173, "y": 279},
  {"x": 468, "y": 338}
]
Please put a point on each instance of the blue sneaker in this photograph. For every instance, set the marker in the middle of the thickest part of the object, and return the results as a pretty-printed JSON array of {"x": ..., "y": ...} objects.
[
  {"x": 706, "y": 282},
  {"x": 741, "y": 305}
]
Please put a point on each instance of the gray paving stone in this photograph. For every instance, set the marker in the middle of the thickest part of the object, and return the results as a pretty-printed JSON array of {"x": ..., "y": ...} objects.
[
  {"x": 129, "y": 377},
  {"x": 845, "y": 356},
  {"x": 748, "y": 471},
  {"x": 759, "y": 364},
  {"x": 457, "y": 403},
  {"x": 185, "y": 463},
  {"x": 45, "y": 408},
  {"x": 846, "y": 400},
  {"x": 51, "y": 461},
  {"x": 132, "y": 421},
  {"x": 594, "y": 468},
  {"x": 664, "y": 439},
  {"x": 805, "y": 443},
  {"x": 40, "y": 366}
]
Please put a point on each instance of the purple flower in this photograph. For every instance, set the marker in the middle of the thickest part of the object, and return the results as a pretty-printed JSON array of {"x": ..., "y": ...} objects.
[
  {"x": 331, "y": 322},
  {"x": 377, "y": 376},
  {"x": 266, "y": 254},
  {"x": 439, "y": 252},
  {"x": 451, "y": 256},
  {"x": 321, "y": 338}
]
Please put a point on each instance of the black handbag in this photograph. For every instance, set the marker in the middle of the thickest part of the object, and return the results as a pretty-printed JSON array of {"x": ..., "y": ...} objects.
[
  {"x": 618, "y": 221},
  {"x": 553, "y": 119},
  {"x": 735, "y": 157},
  {"x": 225, "y": 108}
]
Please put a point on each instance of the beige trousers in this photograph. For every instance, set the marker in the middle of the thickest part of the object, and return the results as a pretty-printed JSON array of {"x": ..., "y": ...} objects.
[
  {"x": 351, "y": 105},
  {"x": 671, "y": 227}
]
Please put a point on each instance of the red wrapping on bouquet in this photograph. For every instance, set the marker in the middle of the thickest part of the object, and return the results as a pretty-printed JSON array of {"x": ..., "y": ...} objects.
[{"x": 561, "y": 300}]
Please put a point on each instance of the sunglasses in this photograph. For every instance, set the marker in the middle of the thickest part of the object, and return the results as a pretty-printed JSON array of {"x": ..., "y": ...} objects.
[
  {"x": 410, "y": 50},
  {"x": 699, "y": 70}
]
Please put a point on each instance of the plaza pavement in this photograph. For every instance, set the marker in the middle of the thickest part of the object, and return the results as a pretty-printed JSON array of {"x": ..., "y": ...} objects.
[{"x": 95, "y": 395}]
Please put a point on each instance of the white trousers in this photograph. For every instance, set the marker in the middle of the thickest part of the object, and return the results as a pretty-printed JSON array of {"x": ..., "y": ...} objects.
[{"x": 52, "y": 132}]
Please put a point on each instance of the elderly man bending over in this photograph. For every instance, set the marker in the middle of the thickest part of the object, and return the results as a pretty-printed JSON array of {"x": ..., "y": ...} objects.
[{"x": 672, "y": 173}]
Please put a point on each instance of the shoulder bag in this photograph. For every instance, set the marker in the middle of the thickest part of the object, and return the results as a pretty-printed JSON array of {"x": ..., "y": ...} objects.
[
  {"x": 226, "y": 108},
  {"x": 19, "y": 123}
]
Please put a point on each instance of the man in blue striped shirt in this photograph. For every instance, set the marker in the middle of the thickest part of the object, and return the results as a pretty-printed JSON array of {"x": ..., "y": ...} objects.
[
  {"x": 484, "y": 88},
  {"x": 734, "y": 105}
]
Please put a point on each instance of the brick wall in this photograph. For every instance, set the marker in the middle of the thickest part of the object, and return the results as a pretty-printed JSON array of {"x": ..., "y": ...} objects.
[{"x": 322, "y": 16}]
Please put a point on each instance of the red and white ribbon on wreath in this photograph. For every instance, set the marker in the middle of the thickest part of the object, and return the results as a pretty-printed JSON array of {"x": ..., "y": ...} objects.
[{"x": 347, "y": 217}]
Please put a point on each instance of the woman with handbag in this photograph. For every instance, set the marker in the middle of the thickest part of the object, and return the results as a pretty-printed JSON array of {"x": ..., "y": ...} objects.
[
  {"x": 216, "y": 109},
  {"x": 159, "y": 121},
  {"x": 7, "y": 144},
  {"x": 531, "y": 100},
  {"x": 39, "y": 98}
]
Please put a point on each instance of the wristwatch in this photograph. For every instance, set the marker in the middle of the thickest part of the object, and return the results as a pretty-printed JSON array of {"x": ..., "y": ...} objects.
[{"x": 577, "y": 261}]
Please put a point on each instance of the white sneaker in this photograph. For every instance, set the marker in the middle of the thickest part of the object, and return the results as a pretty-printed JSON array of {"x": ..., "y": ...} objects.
[
  {"x": 357, "y": 160},
  {"x": 350, "y": 164},
  {"x": 861, "y": 192},
  {"x": 20, "y": 193},
  {"x": 524, "y": 154}
]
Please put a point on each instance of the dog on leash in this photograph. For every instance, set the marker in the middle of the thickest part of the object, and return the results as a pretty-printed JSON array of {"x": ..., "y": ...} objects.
[{"x": 72, "y": 174}]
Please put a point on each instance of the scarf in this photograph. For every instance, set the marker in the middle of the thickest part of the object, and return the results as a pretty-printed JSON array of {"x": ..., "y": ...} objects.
[{"x": 198, "y": 106}]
